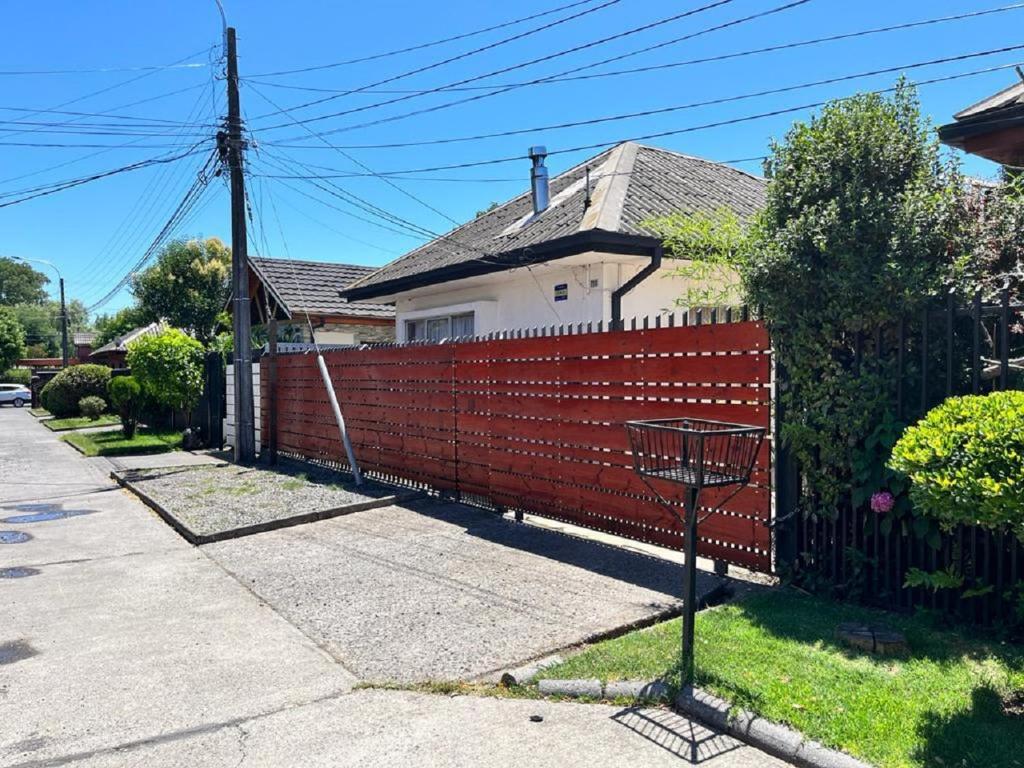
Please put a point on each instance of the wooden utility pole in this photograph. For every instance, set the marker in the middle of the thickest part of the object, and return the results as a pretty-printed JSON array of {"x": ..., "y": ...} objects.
[
  {"x": 63, "y": 327},
  {"x": 245, "y": 438}
]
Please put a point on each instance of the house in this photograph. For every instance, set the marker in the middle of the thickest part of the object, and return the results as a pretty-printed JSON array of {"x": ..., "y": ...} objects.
[
  {"x": 83, "y": 343},
  {"x": 288, "y": 291},
  {"x": 575, "y": 250},
  {"x": 992, "y": 128},
  {"x": 113, "y": 353}
]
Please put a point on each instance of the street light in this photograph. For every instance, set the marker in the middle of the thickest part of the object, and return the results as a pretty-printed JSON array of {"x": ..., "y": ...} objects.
[{"x": 63, "y": 309}]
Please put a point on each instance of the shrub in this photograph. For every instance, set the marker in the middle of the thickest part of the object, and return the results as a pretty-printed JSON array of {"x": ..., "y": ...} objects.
[
  {"x": 169, "y": 368},
  {"x": 126, "y": 397},
  {"x": 863, "y": 222},
  {"x": 64, "y": 391},
  {"x": 965, "y": 461},
  {"x": 92, "y": 407},
  {"x": 21, "y": 376}
]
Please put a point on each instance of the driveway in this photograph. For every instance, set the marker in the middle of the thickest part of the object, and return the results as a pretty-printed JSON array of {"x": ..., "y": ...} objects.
[
  {"x": 122, "y": 645},
  {"x": 431, "y": 591}
]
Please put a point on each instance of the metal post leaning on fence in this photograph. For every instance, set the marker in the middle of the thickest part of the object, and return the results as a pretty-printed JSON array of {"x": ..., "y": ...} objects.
[
  {"x": 697, "y": 454},
  {"x": 333, "y": 398}
]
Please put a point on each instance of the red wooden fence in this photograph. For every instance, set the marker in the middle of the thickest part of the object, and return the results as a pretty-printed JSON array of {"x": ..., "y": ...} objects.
[{"x": 536, "y": 424}]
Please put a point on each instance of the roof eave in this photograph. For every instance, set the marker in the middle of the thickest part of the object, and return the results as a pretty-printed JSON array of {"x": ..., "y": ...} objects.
[
  {"x": 997, "y": 135},
  {"x": 559, "y": 248}
]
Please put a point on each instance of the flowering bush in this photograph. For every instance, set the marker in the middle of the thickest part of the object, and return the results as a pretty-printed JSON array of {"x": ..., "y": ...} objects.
[
  {"x": 882, "y": 502},
  {"x": 965, "y": 461}
]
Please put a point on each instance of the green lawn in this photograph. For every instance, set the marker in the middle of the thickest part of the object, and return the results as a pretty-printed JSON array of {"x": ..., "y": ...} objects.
[
  {"x": 79, "y": 422},
  {"x": 775, "y": 653},
  {"x": 113, "y": 443},
  {"x": 40, "y": 413}
]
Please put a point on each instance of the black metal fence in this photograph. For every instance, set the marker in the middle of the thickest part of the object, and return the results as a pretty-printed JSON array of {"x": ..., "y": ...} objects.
[{"x": 950, "y": 348}]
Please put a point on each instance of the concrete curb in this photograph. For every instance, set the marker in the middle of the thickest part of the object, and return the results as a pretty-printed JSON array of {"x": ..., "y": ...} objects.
[
  {"x": 198, "y": 539},
  {"x": 775, "y": 739},
  {"x": 641, "y": 690}
]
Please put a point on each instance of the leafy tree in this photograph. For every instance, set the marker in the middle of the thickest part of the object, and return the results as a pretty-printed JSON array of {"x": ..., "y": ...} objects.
[
  {"x": 169, "y": 368},
  {"x": 126, "y": 397},
  {"x": 998, "y": 243},
  {"x": 12, "y": 338},
  {"x": 20, "y": 283},
  {"x": 864, "y": 220},
  {"x": 188, "y": 286},
  {"x": 707, "y": 250},
  {"x": 40, "y": 324},
  {"x": 109, "y": 327}
]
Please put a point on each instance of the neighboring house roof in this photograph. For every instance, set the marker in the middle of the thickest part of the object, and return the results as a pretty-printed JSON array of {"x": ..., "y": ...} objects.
[
  {"x": 120, "y": 343},
  {"x": 629, "y": 184},
  {"x": 1005, "y": 98},
  {"x": 313, "y": 286},
  {"x": 992, "y": 128},
  {"x": 83, "y": 337}
]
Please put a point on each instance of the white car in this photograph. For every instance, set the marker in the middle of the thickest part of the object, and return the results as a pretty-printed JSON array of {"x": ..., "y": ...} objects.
[{"x": 15, "y": 394}]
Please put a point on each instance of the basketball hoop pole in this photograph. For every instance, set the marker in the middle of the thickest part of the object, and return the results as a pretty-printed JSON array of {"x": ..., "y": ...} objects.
[{"x": 689, "y": 585}]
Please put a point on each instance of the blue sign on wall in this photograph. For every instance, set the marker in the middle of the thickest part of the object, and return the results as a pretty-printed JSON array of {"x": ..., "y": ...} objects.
[{"x": 562, "y": 292}]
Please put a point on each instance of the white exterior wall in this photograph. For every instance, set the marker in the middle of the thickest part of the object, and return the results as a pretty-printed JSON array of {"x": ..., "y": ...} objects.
[
  {"x": 522, "y": 298},
  {"x": 229, "y": 420}
]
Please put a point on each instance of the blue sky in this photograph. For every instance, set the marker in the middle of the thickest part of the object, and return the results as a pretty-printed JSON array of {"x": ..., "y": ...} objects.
[{"x": 96, "y": 232}]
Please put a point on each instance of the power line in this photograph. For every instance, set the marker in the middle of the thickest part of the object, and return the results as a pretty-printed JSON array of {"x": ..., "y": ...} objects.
[
  {"x": 362, "y": 165},
  {"x": 91, "y": 155},
  {"x": 422, "y": 46},
  {"x": 500, "y": 90},
  {"x": 687, "y": 62},
  {"x": 103, "y": 70},
  {"x": 120, "y": 84},
  {"x": 665, "y": 110},
  {"x": 62, "y": 186},
  {"x": 461, "y": 56},
  {"x": 673, "y": 132},
  {"x": 189, "y": 201}
]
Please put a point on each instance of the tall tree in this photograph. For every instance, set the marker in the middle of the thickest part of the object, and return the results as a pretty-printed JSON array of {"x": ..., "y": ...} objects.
[
  {"x": 188, "y": 286},
  {"x": 40, "y": 323},
  {"x": 20, "y": 284},
  {"x": 864, "y": 220},
  {"x": 12, "y": 339},
  {"x": 109, "y": 327}
]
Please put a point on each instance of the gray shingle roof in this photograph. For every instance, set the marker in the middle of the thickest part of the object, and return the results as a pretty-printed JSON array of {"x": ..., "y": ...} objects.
[
  {"x": 312, "y": 286},
  {"x": 120, "y": 343},
  {"x": 628, "y": 184}
]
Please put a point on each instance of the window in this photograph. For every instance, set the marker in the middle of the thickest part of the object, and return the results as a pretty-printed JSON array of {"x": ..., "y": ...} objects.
[{"x": 441, "y": 327}]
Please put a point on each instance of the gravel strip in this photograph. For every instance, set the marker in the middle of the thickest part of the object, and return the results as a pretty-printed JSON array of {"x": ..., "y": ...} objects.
[{"x": 213, "y": 499}]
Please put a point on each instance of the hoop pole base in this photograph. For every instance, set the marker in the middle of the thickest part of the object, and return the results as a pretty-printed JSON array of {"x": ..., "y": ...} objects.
[{"x": 689, "y": 585}]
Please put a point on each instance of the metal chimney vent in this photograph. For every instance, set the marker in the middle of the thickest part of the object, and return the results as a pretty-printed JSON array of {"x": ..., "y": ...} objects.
[{"x": 539, "y": 179}]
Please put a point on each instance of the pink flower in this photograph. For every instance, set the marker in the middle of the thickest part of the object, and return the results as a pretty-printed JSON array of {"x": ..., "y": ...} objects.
[{"x": 882, "y": 502}]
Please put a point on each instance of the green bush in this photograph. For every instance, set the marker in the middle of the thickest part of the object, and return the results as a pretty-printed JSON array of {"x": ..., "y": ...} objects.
[
  {"x": 169, "y": 368},
  {"x": 63, "y": 393},
  {"x": 126, "y": 397},
  {"x": 92, "y": 407},
  {"x": 965, "y": 461},
  {"x": 21, "y": 376}
]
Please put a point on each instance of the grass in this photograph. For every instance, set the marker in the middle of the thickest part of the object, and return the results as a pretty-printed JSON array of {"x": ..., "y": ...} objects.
[
  {"x": 81, "y": 422},
  {"x": 113, "y": 443},
  {"x": 944, "y": 704},
  {"x": 40, "y": 413}
]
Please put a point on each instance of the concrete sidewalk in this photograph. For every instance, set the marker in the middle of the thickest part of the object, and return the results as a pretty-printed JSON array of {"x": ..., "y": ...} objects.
[{"x": 121, "y": 645}]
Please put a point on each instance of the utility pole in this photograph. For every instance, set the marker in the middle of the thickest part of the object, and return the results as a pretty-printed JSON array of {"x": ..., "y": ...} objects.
[
  {"x": 63, "y": 327},
  {"x": 245, "y": 439}
]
